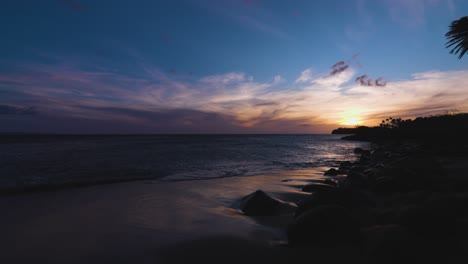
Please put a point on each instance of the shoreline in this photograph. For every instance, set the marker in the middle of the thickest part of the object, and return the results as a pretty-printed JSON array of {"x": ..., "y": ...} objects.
[{"x": 397, "y": 202}]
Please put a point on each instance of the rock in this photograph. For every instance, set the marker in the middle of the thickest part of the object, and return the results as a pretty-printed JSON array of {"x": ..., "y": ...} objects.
[
  {"x": 397, "y": 244},
  {"x": 385, "y": 185},
  {"x": 390, "y": 244},
  {"x": 360, "y": 169},
  {"x": 434, "y": 218},
  {"x": 415, "y": 172},
  {"x": 364, "y": 159},
  {"x": 325, "y": 225},
  {"x": 316, "y": 187},
  {"x": 331, "y": 172},
  {"x": 345, "y": 165},
  {"x": 364, "y": 216},
  {"x": 462, "y": 227},
  {"x": 355, "y": 180},
  {"x": 358, "y": 150},
  {"x": 335, "y": 196},
  {"x": 379, "y": 155},
  {"x": 330, "y": 182},
  {"x": 258, "y": 203}
]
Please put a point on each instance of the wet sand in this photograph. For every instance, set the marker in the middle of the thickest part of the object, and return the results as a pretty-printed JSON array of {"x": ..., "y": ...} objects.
[{"x": 145, "y": 221}]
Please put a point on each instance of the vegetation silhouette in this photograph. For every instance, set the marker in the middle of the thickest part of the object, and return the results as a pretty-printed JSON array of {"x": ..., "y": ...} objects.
[
  {"x": 442, "y": 130},
  {"x": 457, "y": 36}
]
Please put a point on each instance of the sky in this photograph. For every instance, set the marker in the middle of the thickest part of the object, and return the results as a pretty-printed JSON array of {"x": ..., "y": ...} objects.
[{"x": 225, "y": 66}]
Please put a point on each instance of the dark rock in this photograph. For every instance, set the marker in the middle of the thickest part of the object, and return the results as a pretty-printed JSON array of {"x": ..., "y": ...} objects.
[
  {"x": 337, "y": 196},
  {"x": 331, "y": 172},
  {"x": 358, "y": 150},
  {"x": 364, "y": 216},
  {"x": 259, "y": 203},
  {"x": 379, "y": 155},
  {"x": 462, "y": 226},
  {"x": 414, "y": 172},
  {"x": 391, "y": 244},
  {"x": 397, "y": 244},
  {"x": 385, "y": 185},
  {"x": 364, "y": 159},
  {"x": 325, "y": 225},
  {"x": 345, "y": 165},
  {"x": 316, "y": 187},
  {"x": 360, "y": 169},
  {"x": 330, "y": 182},
  {"x": 355, "y": 180},
  {"x": 435, "y": 217}
]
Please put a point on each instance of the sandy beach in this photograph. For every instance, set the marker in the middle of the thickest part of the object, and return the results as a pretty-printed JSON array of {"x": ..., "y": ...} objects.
[{"x": 141, "y": 221}]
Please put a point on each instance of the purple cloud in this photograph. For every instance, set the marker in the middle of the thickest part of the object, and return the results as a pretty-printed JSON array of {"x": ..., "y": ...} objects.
[
  {"x": 338, "y": 67},
  {"x": 15, "y": 110},
  {"x": 364, "y": 80}
]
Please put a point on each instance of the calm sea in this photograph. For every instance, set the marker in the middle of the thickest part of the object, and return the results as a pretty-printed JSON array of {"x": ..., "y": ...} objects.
[{"x": 38, "y": 160}]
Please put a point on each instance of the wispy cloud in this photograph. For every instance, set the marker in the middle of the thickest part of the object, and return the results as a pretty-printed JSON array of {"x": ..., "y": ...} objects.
[
  {"x": 256, "y": 24},
  {"x": 17, "y": 110},
  {"x": 305, "y": 77},
  {"x": 236, "y": 102},
  {"x": 413, "y": 13},
  {"x": 250, "y": 14}
]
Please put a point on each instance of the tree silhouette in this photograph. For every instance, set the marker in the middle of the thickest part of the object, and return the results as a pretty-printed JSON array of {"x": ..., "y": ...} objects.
[{"x": 458, "y": 37}]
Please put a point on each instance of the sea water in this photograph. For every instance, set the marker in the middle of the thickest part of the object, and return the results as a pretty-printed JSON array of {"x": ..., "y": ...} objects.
[{"x": 40, "y": 160}]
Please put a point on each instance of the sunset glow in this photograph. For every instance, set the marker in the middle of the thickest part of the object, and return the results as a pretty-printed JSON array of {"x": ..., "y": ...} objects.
[
  {"x": 351, "y": 121},
  {"x": 163, "y": 74}
]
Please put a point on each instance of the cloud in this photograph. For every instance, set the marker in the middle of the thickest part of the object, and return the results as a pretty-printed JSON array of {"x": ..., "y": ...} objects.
[
  {"x": 15, "y": 110},
  {"x": 339, "y": 67},
  {"x": 412, "y": 13},
  {"x": 254, "y": 23},
  {"x": 251, "y": 15},
  {"x": 364, "y": 80},
  {"x": 305, "y": 77},
  {"x": 278, "y": 80},
  {"x": 224, "y": 79},
  {"x": 158, "y": 102}
]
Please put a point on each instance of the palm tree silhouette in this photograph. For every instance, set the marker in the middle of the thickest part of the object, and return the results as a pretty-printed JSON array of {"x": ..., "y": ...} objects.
[{"x": 458, "y": 37}]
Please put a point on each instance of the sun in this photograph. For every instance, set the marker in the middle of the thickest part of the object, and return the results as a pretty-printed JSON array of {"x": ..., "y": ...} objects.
[{"x": 351, "y": 121}]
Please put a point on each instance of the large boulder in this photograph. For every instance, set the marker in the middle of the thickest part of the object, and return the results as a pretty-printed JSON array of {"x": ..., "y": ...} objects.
[
  {"x": 385, "y": 184},
  {"x": 259, "y": 203},
  {"x": 358, "y": 150},
  {"x": 345, "y": 165},
  {"x": 391, "y": 244},
  {"x": 330, "y": 182},
  {"x": 435, "y": 217},
  {"x": 317, "y": 187},
  {"x": 336, "y": 196},
  {"x": 325, "y": 225},
  {"x": 414, "y": 172},
  {"x": 355, "y": 180},
  {"x": 332, "y": 172},
  {"x": 397, "y": 244}
]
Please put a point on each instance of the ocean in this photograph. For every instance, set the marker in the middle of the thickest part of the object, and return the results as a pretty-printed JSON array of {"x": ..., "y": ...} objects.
[{"x": 50, "y": 160}]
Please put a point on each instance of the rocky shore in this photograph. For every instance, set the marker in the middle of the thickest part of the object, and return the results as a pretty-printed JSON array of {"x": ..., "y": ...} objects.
[{"x": 398, "y": 202}]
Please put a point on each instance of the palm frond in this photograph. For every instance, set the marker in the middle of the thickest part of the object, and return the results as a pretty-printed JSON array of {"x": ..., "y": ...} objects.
[{"x": 457, "y": 37}]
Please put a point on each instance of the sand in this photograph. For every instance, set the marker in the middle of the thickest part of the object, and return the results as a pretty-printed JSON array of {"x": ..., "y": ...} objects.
[{"x": 146, "y": 221}]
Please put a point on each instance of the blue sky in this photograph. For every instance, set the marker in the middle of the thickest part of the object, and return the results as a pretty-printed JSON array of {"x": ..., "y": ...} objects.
[{"x": 229, "y": 66}]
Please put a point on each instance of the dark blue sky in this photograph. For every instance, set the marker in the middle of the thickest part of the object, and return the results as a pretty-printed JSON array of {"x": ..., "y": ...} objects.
[{"x": 241, "y": 66}]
